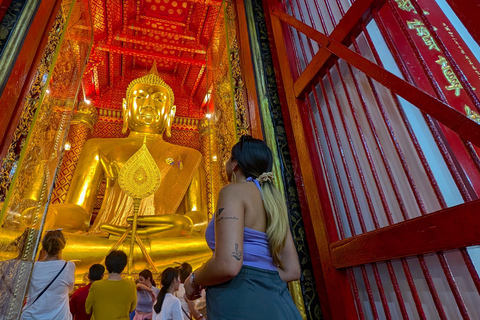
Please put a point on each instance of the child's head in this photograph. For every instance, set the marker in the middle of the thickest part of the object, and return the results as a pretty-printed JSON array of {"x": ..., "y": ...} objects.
[
  {"x": 116, "y": 261},
  {"x": 96, "y": 272}
]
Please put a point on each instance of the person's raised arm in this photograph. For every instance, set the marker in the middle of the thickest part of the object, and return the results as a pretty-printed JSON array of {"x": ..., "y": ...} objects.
[
  {"x": 227, "y": 259},
  {"x": 291, "y": 267},
  {"x": 144, "y": 287}
]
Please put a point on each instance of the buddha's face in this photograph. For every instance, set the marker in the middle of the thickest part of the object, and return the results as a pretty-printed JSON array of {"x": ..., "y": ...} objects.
[{"x": 148, "y": 109}]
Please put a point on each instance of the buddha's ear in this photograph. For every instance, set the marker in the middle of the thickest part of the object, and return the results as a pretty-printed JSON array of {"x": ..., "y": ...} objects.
[
  {"x": 124, "y": 116},
  {"x": 170, "y": 117}
]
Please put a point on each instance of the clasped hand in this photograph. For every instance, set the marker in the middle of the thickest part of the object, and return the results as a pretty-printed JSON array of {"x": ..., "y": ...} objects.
[{"x": 192, "y": 291}]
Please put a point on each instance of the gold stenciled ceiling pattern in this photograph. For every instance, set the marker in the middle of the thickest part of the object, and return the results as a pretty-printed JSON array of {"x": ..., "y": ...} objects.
[{"x": 129, "y": 35}]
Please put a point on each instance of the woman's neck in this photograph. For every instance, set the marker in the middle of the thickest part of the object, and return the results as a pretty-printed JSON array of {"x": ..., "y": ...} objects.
[
  {"x": 240, "y": 177},
  {"x": 171, "y": 289},
  {"x": 52, "y": 258}
]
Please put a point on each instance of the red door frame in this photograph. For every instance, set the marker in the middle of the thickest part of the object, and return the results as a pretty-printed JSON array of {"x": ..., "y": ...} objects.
[{"x": 409, "y": 238}]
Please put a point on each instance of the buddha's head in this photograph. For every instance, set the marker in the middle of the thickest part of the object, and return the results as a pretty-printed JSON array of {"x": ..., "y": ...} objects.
[{"x": 148, "y": 105}]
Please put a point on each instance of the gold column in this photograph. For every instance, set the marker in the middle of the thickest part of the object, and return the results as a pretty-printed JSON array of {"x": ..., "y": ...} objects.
[
  {"x": 211, "y": 160},
  {"x": 81, "y": 128}
]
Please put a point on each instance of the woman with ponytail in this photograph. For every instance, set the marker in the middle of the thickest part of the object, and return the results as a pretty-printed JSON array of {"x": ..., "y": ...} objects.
[
  {"x": 168, "y": 306},
  {"x": 253, "y": 251},
  {"x": 51, "y": 281}
]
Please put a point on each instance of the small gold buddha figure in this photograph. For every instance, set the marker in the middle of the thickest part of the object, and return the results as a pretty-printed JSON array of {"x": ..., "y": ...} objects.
[{"x": 171, "y": 221}]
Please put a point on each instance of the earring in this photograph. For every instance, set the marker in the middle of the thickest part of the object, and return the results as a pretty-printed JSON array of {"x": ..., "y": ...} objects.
[{"x": 234, "y": 177}]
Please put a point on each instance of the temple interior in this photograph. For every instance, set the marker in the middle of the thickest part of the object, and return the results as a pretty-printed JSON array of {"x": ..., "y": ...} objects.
[{"x": 118, "y": 116}]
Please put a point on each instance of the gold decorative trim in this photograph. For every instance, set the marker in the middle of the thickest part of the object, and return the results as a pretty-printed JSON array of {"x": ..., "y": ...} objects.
[
  {"x": 86, "y": 113},
  {"x": 9, "y": 163}
]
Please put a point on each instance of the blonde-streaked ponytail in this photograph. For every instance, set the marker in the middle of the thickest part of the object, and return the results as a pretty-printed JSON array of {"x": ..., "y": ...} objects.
[
  {"x": 255, "y": 159},
  {"x": 277, "y": 220}
]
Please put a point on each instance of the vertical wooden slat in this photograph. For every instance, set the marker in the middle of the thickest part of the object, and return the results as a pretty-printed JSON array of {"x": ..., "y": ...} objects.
[{"x": 436, "y": 88}]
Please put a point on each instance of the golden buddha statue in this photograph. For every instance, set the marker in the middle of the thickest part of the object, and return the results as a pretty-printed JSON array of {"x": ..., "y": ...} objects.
[{"x": 171, "y": 221}]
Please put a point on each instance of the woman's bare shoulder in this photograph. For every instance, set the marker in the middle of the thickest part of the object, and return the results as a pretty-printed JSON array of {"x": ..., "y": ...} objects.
[{"x": 236, "y": 189}]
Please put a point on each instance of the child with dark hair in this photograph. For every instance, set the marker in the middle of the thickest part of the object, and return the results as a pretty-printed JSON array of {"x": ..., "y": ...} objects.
[
  {"x": 146, "y": 295},
  {"x": 168, "y": 306},
  {"x": 77, "y": 300},
  {"x": 115, "y": 297},
  {"x": 51, "y": 281}
]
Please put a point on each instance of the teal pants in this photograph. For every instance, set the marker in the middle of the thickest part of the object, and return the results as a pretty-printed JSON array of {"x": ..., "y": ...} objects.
[{"x": 253, "y": 294}]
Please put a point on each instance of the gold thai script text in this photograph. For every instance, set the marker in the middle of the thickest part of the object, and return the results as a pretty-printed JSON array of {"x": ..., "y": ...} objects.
[
  {"x": 424, "y": 33},
  {"x": 450, "y": 76}
]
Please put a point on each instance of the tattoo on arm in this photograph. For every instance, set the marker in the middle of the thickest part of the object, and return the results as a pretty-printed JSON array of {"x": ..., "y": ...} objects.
[
  {"x": 219, "y": 212},
  {"x": 237, "y": 254},
  {"x": 227, "y": 218}
]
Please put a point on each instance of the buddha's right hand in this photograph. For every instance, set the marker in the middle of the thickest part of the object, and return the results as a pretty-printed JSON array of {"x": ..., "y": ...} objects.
[{"x": 70, "y": 217}]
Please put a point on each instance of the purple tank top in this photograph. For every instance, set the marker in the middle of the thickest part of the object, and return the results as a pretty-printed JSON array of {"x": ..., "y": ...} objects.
[{"x": 255, "y": 244}]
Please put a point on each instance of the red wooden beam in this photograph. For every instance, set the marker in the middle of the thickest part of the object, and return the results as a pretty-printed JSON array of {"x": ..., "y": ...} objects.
[
  {"x": 356, "y": 14},
  {"x": 451, "y": 118},
  {"x": 189, "y": 18},
  {"x": 163, "y": 21},
  {"x": 447, "y": 229},
  {"x": 166, "y": 45},
  {"x": 96, "y": 81},
  {"x": 204, "y": 19},
  {"x": 216, "y": 3},
  {"x": 140, "y": 27},
  {"x": 152, "y": 55},
  {"x": 197, "y": 82}
]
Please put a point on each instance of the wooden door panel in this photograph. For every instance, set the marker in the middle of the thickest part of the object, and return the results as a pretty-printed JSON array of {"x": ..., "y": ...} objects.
[{"x": 383, "y": 103}]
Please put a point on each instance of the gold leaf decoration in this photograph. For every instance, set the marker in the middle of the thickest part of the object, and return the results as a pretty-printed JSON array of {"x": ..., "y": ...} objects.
[{"x": 140, "y": 176}]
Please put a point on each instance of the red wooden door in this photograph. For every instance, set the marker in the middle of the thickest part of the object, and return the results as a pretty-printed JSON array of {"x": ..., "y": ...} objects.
[{"x": 384, "y": 102}]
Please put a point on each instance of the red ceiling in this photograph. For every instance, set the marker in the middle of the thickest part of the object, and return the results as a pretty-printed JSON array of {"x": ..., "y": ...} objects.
[{"x": 130, "y": 34}]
